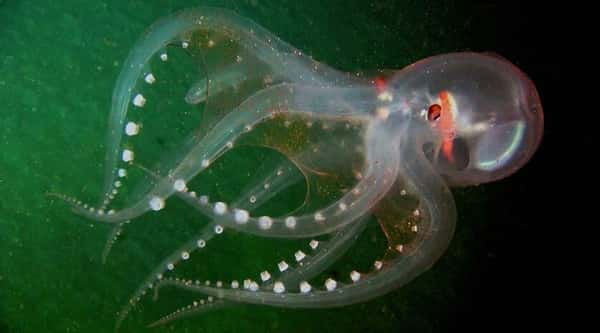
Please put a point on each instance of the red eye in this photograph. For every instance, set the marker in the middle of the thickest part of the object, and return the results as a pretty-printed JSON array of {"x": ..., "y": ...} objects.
[{"x": 434, "y": 112}]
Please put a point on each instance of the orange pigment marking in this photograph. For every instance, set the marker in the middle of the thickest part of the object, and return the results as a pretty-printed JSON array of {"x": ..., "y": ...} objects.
[
  {"x": 446, "y": 125},
  {"x": 379, "y": 84}
]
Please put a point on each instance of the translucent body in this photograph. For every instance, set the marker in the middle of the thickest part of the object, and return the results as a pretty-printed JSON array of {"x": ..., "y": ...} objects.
[{"x": 361, "y": 146}]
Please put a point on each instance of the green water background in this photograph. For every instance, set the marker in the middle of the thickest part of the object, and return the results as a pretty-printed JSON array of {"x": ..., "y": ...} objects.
[{"x": 58, "y": 63}]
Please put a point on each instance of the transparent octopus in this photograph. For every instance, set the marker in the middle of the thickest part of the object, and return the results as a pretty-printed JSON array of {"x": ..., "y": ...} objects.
[{"x": 204, "y": 81}]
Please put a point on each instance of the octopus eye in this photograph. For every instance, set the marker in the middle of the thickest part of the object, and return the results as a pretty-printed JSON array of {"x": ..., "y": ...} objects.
[{"x": 434, "y": 112}]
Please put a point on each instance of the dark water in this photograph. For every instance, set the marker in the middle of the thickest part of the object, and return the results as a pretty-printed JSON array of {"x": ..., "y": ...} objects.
[{"x": 58, "y": 63}]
